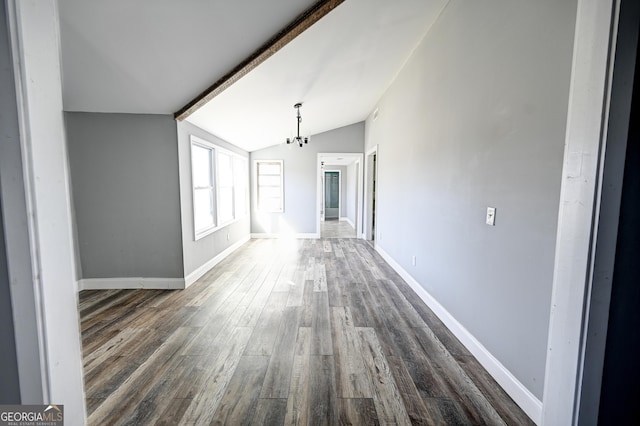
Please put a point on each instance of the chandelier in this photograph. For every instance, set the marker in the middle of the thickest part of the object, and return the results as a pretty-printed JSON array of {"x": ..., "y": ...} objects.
[{"x": 298, "y": 139}]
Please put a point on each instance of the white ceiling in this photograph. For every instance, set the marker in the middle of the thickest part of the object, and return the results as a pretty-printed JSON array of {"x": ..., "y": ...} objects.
[
  {"x": 338, "y": 159},
  {"x": 150, "y": 56}
]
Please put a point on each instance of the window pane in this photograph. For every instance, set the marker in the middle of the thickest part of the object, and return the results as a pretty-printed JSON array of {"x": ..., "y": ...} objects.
[
  {"x": 269, "y": 168},
  {"x": 269, "y": 185},
  {"x": 203, "y": 208},
  {"x": 201, "y": 166},
  {"x": 269, "y": 180},
  {"x": 225, "y": 198},
  {"x": 225, "y": 170},
  {"x": 269, "y": 192}
]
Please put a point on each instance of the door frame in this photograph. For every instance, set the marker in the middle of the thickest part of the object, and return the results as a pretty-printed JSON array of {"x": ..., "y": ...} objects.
[
  {"x": 582, "y": 264},
  {"x": 358, "y": 158},
  {"x": 369, "y": 210}
]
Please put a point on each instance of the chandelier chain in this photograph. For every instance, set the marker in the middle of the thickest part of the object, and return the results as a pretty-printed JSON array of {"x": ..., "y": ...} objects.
[{"x": 298, "y": 139}]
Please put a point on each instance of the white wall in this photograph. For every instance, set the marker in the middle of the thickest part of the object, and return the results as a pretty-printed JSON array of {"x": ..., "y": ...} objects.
[{"x": 477, "y": 118}]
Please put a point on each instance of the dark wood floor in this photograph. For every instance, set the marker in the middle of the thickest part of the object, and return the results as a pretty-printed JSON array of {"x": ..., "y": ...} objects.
[{"x": 283, "y": 332}]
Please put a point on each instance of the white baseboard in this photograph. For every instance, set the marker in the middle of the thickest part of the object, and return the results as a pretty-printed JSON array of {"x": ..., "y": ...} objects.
[
  {"x": 195, "y": 275},
  {"x": 520, "y": 394},
  {"x": 346, "y": 219},
  {"x": 131, "y": 283},
  {"x": 313, "y": 235}
]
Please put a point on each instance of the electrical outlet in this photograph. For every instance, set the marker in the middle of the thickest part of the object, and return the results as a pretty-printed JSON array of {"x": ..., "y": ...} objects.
[
  {"x": 413, "y": 261},
  {"x": 491, "y": 216}
]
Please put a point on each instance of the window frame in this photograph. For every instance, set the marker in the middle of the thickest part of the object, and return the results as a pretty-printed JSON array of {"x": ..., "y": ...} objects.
[
  {"x": 235, "y": 160},
  {"x": 256, "y": 165},
  {"x": 201, "y": 232}
]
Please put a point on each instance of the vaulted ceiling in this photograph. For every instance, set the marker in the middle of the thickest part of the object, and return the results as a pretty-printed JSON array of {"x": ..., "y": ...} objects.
[{"x": 154, "y": 56}]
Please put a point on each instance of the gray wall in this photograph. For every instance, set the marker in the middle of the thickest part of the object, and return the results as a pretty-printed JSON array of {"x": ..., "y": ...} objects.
[
  {"x": 197, "y": 253},
  {"x": 9, "y": 383},
  {"x": 300, "y": 179},
  {"x": 477, "y": 118},
  {"x": 124, "y": 177}
]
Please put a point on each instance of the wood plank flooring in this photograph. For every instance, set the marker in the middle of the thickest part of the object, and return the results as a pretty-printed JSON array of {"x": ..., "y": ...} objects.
[
  {"x": 334, "y": 228},
  {"x": 296, "y": 332}
]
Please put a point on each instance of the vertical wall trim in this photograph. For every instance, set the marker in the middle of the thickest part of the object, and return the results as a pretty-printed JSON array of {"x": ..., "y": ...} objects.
[
  {"x": 16, "y": 230},
  {"x": 619, "y": 110},
  {"x": 579, "y": 199},
  {"x": 359, "y": 199},
  {"x": 366, "y": 219},
  {"x": 34, "y": 30},
  {"x": 30, "y": 302}
]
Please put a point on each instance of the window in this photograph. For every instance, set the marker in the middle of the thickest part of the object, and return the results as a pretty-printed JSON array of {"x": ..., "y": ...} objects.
[
  {"x": 269, "y": 186},
  {"x": 203, "y": 190},
  {"x": 219, "y": 186}
]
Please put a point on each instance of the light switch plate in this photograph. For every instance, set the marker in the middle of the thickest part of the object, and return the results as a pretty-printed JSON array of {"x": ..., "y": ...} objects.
[{"x": 491, "y": 216}]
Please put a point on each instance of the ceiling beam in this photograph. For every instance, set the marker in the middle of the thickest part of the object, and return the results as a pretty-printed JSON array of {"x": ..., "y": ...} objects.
[{"x": 277, "y": 42}]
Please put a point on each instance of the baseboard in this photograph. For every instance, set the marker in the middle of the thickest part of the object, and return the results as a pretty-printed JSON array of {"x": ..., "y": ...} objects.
[
  {"x": 126, "y": 283},
  {"x": 195, "y": 275},
  {"x": 313, "y": 235},
  {"x": 346, "y": 219},
  {"x": 516, "y": 390}
]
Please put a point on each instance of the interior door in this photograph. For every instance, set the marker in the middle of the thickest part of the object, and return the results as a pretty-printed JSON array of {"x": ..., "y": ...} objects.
[{"x": 331, "y": 195}]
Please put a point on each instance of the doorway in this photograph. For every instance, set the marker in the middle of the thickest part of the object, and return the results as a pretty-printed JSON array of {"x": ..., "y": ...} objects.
[
  {"x": 613, "y": 347},
  {"x": 332, "y": 183},
  {"x": 606, "y": 390},
  {"x": 340, "y": 204}
]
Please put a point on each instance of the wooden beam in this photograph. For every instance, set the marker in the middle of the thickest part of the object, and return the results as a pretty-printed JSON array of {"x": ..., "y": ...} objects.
[{"x": 277, "y": 42}]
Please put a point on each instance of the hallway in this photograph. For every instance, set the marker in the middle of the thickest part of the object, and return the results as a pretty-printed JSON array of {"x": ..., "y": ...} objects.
[
  {"x": 336, "y": 229},
  {"x": 283, "y": 332}
]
